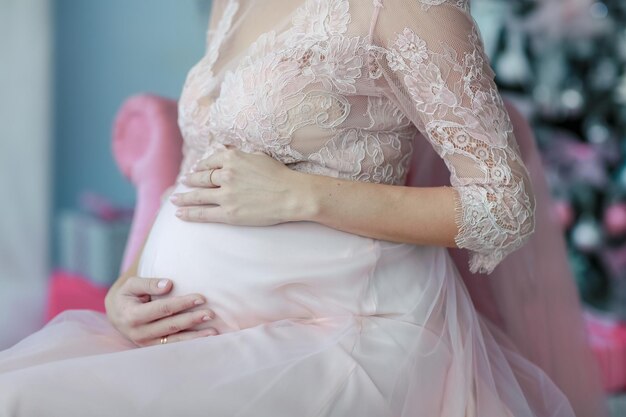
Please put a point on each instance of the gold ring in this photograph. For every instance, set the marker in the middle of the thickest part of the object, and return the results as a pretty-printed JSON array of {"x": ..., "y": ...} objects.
[
  {"x": 210, "y": 175},
  {"x": 164, "y": 340}
]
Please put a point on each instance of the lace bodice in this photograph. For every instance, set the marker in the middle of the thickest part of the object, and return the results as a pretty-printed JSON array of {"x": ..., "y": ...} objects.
[{"x": 342, "y": 87}]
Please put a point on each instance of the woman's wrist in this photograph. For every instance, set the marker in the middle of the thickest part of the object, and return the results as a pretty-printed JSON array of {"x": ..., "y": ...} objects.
[
  {"x": 304, "y": 204},
  {"x": 114, "y": 288}
]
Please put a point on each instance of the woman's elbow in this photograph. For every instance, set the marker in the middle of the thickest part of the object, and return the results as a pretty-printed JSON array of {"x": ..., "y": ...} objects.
[{"x": 527, "y": 218}]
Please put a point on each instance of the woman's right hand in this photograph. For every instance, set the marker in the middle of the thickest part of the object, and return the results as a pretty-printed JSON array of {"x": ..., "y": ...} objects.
[{"x": 144, "y": 321}]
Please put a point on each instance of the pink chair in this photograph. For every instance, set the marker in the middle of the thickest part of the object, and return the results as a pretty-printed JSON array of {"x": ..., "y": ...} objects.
[{"x": 147, "y": 147}]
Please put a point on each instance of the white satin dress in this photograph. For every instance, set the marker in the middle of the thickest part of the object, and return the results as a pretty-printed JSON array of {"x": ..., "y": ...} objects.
[{"x": 314, "y": 321}]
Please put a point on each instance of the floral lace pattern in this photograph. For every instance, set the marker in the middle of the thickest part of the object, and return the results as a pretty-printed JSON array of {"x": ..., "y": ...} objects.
[
  {"x": 325, "y": 97},
  {"x": 464, "y": 118},
  {"x": 304, "y": 81},
  {"x": 463, "y": 4}
]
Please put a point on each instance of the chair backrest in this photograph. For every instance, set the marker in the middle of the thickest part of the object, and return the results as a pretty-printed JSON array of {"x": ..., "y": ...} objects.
[{"x": 147, "y": 145}]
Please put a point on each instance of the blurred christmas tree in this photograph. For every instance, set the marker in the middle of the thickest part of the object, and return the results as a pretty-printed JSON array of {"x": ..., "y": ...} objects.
[{"x": 564, "y": 63}]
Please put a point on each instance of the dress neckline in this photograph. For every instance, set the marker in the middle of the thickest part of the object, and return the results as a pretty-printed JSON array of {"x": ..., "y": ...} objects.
[
  {"x": 218, "y": 39},
  {"x": 223, "y": 26}
]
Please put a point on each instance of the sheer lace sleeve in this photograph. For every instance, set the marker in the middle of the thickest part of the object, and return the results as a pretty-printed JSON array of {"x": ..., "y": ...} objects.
[{"x": 429, "y": 59}]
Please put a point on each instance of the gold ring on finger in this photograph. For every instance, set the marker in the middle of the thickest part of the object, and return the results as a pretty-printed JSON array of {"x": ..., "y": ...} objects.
[{"x": 211, "y": 175}]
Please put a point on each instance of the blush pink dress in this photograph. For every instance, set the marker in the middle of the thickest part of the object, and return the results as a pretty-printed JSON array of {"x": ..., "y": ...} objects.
[{"x": 314, "y": 321}]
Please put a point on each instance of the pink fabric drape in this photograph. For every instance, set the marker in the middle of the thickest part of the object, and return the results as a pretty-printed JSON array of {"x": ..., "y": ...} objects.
[{"x": 531, "y": 295}]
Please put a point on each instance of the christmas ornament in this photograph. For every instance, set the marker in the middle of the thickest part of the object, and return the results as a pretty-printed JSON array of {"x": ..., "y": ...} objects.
[{"x": 587, "y": 234}]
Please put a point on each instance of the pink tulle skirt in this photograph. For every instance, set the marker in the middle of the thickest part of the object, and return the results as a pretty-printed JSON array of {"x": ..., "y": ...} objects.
[{"x": 313, "y": 322}]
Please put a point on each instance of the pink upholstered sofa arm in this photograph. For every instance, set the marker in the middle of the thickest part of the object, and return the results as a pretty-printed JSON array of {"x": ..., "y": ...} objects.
[{"x": 147, "y": 146}]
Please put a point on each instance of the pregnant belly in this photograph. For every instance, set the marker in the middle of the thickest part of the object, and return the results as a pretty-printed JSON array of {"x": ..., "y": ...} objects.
[{"x": 253, "y": 275}]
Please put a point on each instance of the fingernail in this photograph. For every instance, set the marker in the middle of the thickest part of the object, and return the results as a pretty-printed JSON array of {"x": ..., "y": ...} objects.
[
  {"x": 179, "y": 212},
  {"x": 199, "y": 301},
  {"x": 174, "y": 198},
  {"x": 184, "y": 178},
  {"x": 210, "y": 332},
  {"x": 162, "y": 283},
  {"x": 206, "y": 318}
]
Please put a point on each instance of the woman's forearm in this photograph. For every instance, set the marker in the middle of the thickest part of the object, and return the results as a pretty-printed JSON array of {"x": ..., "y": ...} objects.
[
  {"x": 417, "y": 215},
  {"x": 253, "y": 189}
]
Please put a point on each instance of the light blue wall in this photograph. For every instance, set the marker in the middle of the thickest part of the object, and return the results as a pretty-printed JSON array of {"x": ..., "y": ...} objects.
[{"x": 105, "y": 51}]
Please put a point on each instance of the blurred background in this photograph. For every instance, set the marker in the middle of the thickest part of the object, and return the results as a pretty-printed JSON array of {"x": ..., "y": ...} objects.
[{"x": 67, "y": 67}]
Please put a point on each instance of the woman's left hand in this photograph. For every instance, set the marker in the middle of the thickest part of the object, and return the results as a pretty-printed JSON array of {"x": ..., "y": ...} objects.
[{"x": 251, "y": 189}]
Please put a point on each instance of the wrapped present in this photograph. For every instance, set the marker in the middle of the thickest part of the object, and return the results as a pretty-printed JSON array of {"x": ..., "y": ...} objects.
[
  {"x": 617, "y": 405},
  {"x": 608, "y": 342},
  {"x": 93, "y": 246}
]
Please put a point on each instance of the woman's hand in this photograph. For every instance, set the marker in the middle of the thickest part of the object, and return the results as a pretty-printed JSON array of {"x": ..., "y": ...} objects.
[
  {"x": 251, "y": 189},
  {"x": 144, "y": 322}
]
